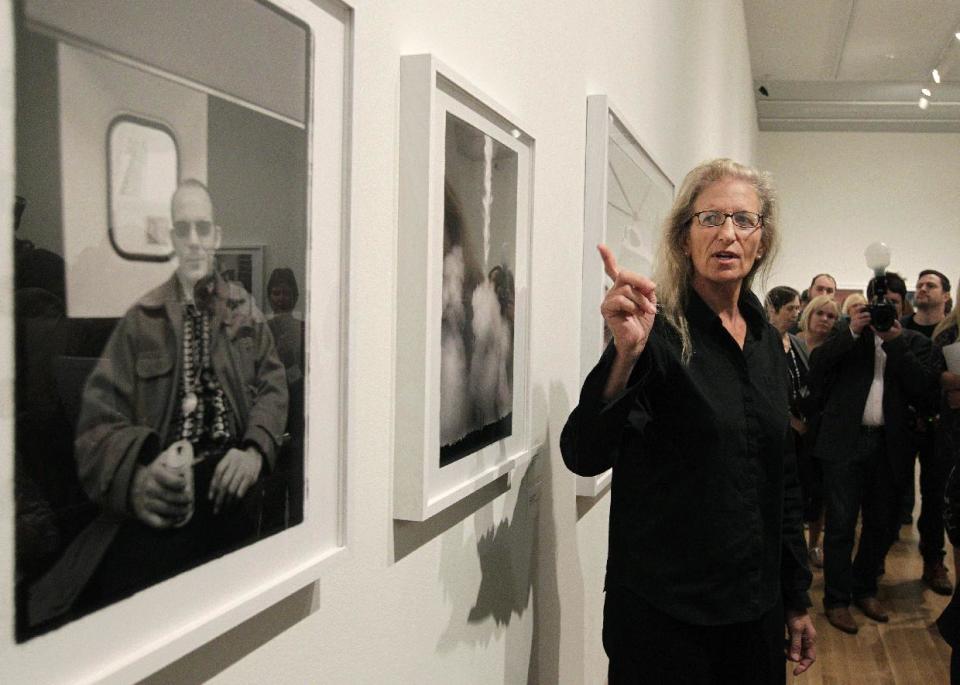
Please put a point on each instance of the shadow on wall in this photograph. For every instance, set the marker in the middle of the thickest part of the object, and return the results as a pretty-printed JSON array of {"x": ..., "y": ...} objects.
[
  {"x": 517, "y": 573},
  {"x": 207, "y": 661}
]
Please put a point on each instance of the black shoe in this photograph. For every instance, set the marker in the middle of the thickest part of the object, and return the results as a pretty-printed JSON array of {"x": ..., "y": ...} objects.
[{"x": 937, "y": 578}]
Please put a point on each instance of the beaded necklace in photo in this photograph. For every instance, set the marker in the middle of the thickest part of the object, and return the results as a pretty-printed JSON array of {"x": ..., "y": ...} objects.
[{"x": 203, "y": 404}]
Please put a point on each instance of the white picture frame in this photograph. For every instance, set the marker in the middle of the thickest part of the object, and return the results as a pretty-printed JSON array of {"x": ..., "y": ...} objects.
[
  {"x": 433, "y": 97},
  {"x": 626, "y": 197},
  {"x": 134, "y": 637}
]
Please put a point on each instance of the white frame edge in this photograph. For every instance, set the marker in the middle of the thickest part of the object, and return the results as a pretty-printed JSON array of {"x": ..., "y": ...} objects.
[
  {"x": 416, "y": 464},
  {"x": 154, "y": 650},
  {"x": 596, "y": 170}
]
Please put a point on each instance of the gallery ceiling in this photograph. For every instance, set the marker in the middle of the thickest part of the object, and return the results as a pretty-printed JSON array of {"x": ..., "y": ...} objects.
[{"x": 855, "y": 65}]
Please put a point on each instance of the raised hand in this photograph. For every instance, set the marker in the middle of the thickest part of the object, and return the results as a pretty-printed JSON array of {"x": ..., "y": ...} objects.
[{"x": 629, "y": 307}]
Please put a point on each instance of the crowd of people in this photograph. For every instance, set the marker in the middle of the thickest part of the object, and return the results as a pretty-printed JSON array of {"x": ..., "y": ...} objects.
[
  {"x": 731, "y": 424},
  {"x": 865, "y": 404}
]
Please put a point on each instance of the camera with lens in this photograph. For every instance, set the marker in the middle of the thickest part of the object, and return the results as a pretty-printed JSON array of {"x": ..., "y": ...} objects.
[{"x": 882, "y": 311}]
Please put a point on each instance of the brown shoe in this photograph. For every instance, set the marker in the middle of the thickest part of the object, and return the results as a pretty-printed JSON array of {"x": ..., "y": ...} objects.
[
  {"x": 937, "y": 578},
  {"x": 872, "y": 608},
  {"x": 841, "y": 618}
]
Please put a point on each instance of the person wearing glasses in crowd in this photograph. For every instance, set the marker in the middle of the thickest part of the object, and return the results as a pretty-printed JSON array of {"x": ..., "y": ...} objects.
[
  {"x": 180, "y": 417},
  {"x": 689, "y": 407}
]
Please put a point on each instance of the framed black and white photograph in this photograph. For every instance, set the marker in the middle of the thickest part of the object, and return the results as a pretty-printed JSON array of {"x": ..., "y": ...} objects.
[
  {"x": 626, "y": 198},
  {"x": 462, "y": 384},
  {"x": 180, "y": 175}
]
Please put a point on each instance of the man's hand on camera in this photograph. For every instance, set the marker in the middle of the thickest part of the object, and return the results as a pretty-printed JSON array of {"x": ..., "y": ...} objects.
[
  {"x": 893, "y": 332},
  {"x": 859, "y": 319}
]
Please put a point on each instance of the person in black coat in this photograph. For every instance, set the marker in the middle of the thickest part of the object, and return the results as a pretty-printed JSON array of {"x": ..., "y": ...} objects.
[
  {"x": 690, "y": 408},
  {"x": 866, "y": 379}
]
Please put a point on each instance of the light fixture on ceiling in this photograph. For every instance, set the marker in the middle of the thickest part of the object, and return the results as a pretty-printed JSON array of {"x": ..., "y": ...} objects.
[
  {"x": 957, "y": 34},
  {"x": 925, "y": 91},
  {"x": 923, "y": 103},
  {"x": 936, "y": 75}
]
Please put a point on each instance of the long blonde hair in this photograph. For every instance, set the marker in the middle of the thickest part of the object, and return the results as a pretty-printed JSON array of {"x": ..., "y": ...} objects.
[
  {"x": 951, "y": 319},
  {"x": 819, "y": 302},
  {"x": 674, "y": 272},
  {"x": 851, "y": 300}
]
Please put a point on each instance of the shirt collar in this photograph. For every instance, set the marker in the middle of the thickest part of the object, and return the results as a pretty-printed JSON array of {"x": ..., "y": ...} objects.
[{"x": 699, "y": 313}]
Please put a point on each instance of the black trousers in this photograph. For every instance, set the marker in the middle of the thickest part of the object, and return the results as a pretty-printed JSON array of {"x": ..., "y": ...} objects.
[
  {"x": 935, "y": 465},
  {"x": 648, "y": 646},
  {"x": 863, "y": 481}
]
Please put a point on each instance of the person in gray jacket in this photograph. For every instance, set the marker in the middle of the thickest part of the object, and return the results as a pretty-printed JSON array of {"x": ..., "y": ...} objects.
[{"x": 182, "y": 415}]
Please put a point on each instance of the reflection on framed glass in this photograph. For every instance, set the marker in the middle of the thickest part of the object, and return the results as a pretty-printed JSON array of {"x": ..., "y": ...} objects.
[
  {"x": 626, "y": 198},
  {"x": 244, "y": 265},
  {"x": 127, "y": 367},
  {"x": 143, "y": 168},
  {"x": 463, "y": 412}
]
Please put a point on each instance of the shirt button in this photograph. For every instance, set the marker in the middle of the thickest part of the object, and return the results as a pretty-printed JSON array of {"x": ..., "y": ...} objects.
[{"x": 748, "y": 398}]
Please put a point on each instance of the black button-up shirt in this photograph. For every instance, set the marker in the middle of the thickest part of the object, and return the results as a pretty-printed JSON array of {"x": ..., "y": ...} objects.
[{"x": 705, "y": 518}]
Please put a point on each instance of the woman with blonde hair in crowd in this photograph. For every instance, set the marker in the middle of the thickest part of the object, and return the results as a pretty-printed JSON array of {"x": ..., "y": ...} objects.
[
  {"x": 851, "y": 300},
  {"x": 947, "y": 333},
  {"x": 817, "y": 320}
]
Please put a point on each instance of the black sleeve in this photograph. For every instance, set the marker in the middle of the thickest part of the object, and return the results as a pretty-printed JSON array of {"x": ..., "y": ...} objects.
[
  {"x": 910, "y": 359},
  {"x": 825, "y": 361},
  {"x": 590, "y": 441},
  {"x": 795, "y": 576}
]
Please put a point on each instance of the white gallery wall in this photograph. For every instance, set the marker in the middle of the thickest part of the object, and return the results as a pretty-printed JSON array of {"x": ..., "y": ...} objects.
[
  {"x": 842, "y": 191},
  {"x": 506, "y": 586}
]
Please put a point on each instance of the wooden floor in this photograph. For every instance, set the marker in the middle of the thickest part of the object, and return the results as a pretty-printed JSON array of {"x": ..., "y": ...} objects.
[{"x": 906, "y": 651}]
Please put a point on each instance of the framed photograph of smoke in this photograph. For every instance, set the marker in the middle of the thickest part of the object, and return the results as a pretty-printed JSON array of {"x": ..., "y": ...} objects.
[
  {"x": 462, "y": 374},
  {"x": 179, "y": 173},
  {"x": 626, "y": 197}
]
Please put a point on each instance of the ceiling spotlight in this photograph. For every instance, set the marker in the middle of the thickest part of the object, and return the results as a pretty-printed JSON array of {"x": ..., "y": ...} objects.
[
  {"x": 925, "y": 91},
  {"x": 936, "y": 76},
  {"x": 957, "y": 34},
  {"x": 924, "y": 103}
]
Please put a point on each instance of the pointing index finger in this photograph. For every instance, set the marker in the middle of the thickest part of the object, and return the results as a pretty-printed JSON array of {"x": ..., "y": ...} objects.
[{"x": 609, "y": 262}]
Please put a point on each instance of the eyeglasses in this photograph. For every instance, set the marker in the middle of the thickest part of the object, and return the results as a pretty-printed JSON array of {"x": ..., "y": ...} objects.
[
  {"x": 204, "y": 228},
  {"x": 746, "y": 222}
]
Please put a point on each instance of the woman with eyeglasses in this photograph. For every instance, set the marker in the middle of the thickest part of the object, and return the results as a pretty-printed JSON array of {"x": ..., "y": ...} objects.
[
  {"x": 783, "y": 307},
  {"x": 689, "y": 407}
]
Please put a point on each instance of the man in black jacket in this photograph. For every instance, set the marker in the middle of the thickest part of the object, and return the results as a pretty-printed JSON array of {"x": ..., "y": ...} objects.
[
  {"x": 866, "y": 379},
  {"x": 932, "y": 294}
]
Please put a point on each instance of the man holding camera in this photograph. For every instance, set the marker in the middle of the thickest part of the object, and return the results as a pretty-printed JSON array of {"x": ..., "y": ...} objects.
[{"x": 865, "y": 375}]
